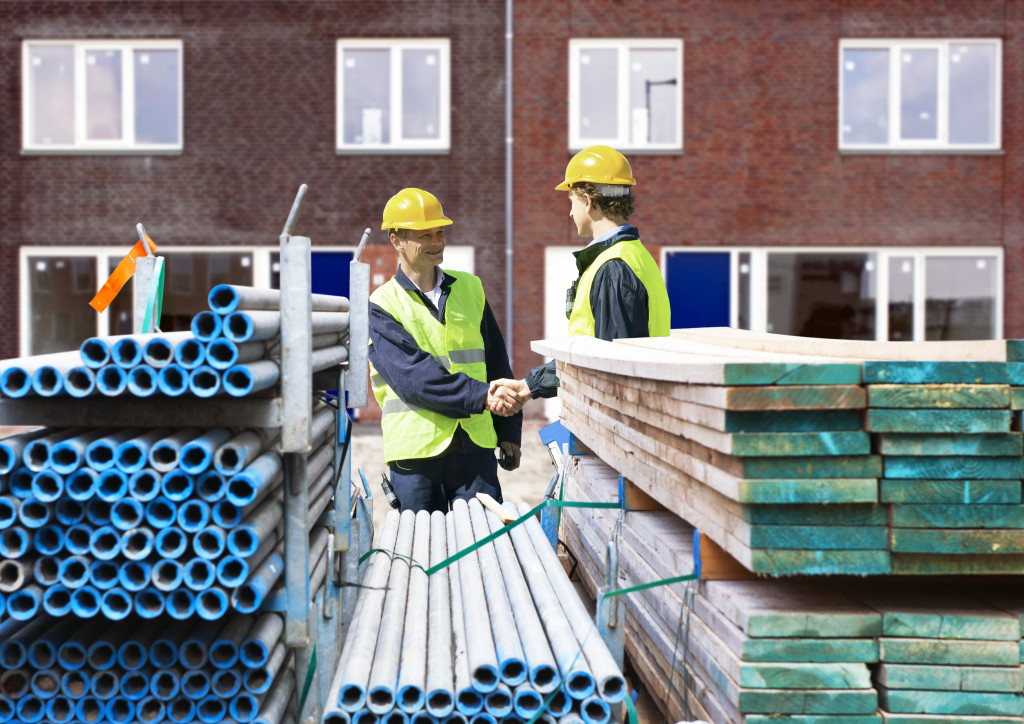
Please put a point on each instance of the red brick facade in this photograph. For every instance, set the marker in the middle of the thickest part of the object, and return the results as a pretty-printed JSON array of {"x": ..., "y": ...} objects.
[{"x": 760, "y": 164}]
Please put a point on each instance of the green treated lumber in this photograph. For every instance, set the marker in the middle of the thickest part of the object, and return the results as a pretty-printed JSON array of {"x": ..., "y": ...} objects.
[
  {"x": 939, "y": 396},
  {"x": 990, "y": 541},
  {"x": 825, "y": 466},
  {"x": 814, "y": 719},
  {"x": 917, "y": 373},
  {"x": 773, "y": 373},
  {"x": 953, "y": 467},
  {"x": 787, "y": 444},
  {"x": 811, "y": 650},
  {"x": 1014, "y": 350},
  {"x": 896, "y": 718},
  {"x": 780, "y": 609},
  {"x": 767, "y": 701},
  {"x": 916, "y": 564},
  {"x": 820, "y": 562},
  {"x": 957, "y": 516},
  {"x": 1015, "y": 373},
  {"x": 817, "y": 514},
  {"x": 938, "y": 492},
  {"x": 992, "y": 444},
  {"x": 808, "y": 490},
  {"x": 938, "y": 421},
  {"x": 796, "y": 397},
  {"x": 794, "y": 420},
  {"x": 950, "y": 702},
  {"x": 804, "y": 676},
  {"x": 828, "y": 537},
  {"x": 1017, "y": 398},
  {"x": 952, "y": 678},
  {"x": 948, "y": 651}
]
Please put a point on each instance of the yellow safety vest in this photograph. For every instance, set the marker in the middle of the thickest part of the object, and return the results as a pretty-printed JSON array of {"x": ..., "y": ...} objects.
[
  {"x": 413, "y": 432},
  {"x": 581, "y": 320}
]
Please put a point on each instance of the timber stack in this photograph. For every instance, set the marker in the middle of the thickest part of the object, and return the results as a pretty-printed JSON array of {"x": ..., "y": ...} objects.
[{"x": 845, "y": 505}]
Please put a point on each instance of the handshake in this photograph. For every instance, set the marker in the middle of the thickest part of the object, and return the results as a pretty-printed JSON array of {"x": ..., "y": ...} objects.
[{"x": 507, "y": 397}]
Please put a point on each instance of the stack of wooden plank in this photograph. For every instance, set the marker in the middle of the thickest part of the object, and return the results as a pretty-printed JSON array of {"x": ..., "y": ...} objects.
[
  {"x": 724, "y": 651},
  {"x": 944, "y": 653}
]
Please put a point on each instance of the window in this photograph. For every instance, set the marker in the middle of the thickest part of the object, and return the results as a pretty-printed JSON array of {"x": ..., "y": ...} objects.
[
  {"x": 626, "y": 93},
  {"x": 393, "y": 95},
  {"x": 878, "y": 293},
  {"x": 102, "y": 95},
  {"x": 920, "y": 95}
]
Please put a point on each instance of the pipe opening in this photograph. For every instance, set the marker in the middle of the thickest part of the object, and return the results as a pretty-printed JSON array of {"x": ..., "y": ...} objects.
[
  {"x": 189, "y": 352},
  {"x": 13, "y": 542},
  {"x": 160, "y": 512},
  {"x": 104, "y": 542},
  {"x": 74, "y": 573},
  {"x": 336, "y": 718},
  {"x": 247, "y": 599},
  {"x": 254, "y": 653},
  {"x": 223, "y": 299},
  {"x": 60, "y": 708},
  {"x": 242, "y": 490},
  {"x": 79, "y": 380},
  {"x": 150, "y": 710},
  {"x": 149, "y": 602},
  {"x": 142, "y": 380},
  {"x": 94, "y": 352},
  {"x": 129, "y": 456},
  {"x": 102, "y": 655},
  {"x": 75, "y": 684},
  {"x": 469, "y": 700},
  {"x": 243, "y": 708},
  {"x": 580, "y": 684},
  {"x": 381, "y": 698},
  {"x": 164, "y": 455},
  {"x": 205, "y": 325},
  {"x": 213, "y": 603},
  {"x": 226, "y": 683},
  {"x": 257, "y": 679},
  {"x": 11, "y": 575},
  {"x": 44, "y": 682},
  {"x": 595, "y": 710},
  {"x": 72, "y": 656},
  {"x": 111, "y": 378},
  {"x": 174, "y": 380},
  {"x": 126, "y": 353},
  {"x": 116, "y": 605},
  {"x": 34, "y": 511},
  {"x": 101, "y": 454},
  {"x": 70, "y": 511},
  {"x": 158, "y": 351},
  {"x": 132, "y": 655},
  {"x": 237, "y": 327},
  {"x": 47, "y": 381},
  {"x": 128, "y": 513},
  {"x": 221, "y": 353},
  {"x": 227, "y": 515},
  {"x": 513, "y": 672},
  {"x": 31, "y": 708},
  {"x": 42, "y": 654},
  {"x": 103, "y": 574},
  {"x": 211, "y": 709},
  {"x": 244, "y": 541},
  {"x": 232, "y": 572},
  {"x": 134, "y": 685},
  {"x": 410, "y": 697},
  {"x": 98, "y": 511},
  {"x": 104, "y": 685},
  {"x": 195, "y": 684},
  {"x": 138, "y": 543},
  {"x": 223, "y": 654},
  {"x": 144, "y": 485},
  {"x": 238, "y": 379},
  {"x": 163, "y": 654},
  {"x": 120, "y": 709},
  {"x": 76, "y": 540},
  {"x": 228, "y": 458},
  {"x": 394, "y": 717},
  {"x": 165, "y": 685},
  {"x": 439, "y": 701},
  {"x": 38, "y": 455},
  {"x": 499, "y": 700},
  {"x": 351, "y": 697},
  {"x": 528, "y": 702},
  {"x": 15, "y": 382},
  {"x": 613, "y": 688},
  {"x": 64, "y": 457},
  {"x": 48, "y": 540},
  {"x": 85, "y": 602}
]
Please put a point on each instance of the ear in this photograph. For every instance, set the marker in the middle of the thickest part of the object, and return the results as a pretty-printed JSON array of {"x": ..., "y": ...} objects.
[{"x": 396, "y": 243}]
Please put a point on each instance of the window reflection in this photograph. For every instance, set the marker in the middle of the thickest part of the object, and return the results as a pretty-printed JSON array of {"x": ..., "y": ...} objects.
[
  {"x": 652, "y": 97},
  {"x": 972, "y": 93},
  {"x": 157, "y": 96},
  {"x": 367, "y": 81},
  {"x": 960, "y": 301},
  {"x": 901, "y": 298},
  {"x": 598, "y": 93},
  {"x": 919, "y": 102},
  {"x": 865, "y": 96},
  {"x": 59, "y": 294},
  {"x": 103, "y": 95},
  {"x": 421, "y": 94},
  {"x": 188, "y": 278},
  {"x": 822, "y": 295},
  {"x": 53, "y": 102}
]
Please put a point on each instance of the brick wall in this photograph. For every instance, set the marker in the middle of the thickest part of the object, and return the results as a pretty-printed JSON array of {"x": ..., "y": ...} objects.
[{"x": 760, "y": 114}]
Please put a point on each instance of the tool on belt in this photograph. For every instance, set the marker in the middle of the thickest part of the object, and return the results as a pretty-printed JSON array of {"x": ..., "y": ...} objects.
[{"x": 389, "y": 492}]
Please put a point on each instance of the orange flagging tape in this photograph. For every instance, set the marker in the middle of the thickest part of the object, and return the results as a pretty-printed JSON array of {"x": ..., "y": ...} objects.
[{"x": 120, "y": 277}]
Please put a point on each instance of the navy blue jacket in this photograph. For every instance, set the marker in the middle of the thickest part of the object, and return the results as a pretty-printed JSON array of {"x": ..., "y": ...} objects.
[
  {"x": 618, "y": 299},
  {"x": 420, "y": 380}
]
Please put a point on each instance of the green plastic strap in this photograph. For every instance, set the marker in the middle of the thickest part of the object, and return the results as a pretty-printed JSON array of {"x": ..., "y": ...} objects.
[
  {"x": 493, "y": 536},
  {"x": 651, "y": 584},
  {"x": 631, "y": 714},
  {"x": 309, "y": 680},
  {"x": 155, "y": 301}
]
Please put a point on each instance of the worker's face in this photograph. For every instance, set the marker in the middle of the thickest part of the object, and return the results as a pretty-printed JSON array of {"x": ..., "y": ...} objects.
[
  {"x": 579, "y": 210},
  {"x": 420, "y": 249}
]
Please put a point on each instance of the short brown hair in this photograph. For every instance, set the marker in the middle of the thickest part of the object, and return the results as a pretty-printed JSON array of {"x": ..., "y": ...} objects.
[{"x": 612, "y": 207}]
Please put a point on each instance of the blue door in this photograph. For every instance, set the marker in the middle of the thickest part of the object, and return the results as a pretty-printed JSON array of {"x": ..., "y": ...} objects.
[
  {"x": 698, "y": 288},
  {"x": 329, "y": 274}
]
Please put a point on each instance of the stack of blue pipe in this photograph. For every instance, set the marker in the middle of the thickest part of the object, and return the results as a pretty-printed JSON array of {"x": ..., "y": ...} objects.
[
  {"x": 60, "y": 670},
  {"x": 231, "y": 349}
]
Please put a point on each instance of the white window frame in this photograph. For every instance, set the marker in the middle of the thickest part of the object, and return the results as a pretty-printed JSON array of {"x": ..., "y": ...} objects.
[
  {"x": 397, "y": 145},
  {"x": 942, "y": 45},
  {"x": 759, "y": 279},
  {"x": 81, "y": 144},
  {"x": 623, "y": 46}
]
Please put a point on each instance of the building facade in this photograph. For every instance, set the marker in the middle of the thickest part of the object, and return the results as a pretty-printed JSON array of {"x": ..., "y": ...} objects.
[{"x": 837, "y": 169}]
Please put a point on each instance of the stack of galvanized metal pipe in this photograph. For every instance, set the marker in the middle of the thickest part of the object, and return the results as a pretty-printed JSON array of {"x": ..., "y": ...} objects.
[
  {"x": 113, "y": 522},
  {"x": 65, "y": 669},
  {"x": 498, "y": 635},
  {"x": 232, "y": 349}
]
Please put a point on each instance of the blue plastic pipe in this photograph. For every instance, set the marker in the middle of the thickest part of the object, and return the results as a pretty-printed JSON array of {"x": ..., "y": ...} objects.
[
  {"x": 165, "y": 454},
  {"x": 171, "y": 543},
  {"x": 47, "y": 485},
  {"x": 80, "y": 381},
  {"x": 33, "y": 513},
  {"x": 137, "y": 543},
  {"x": 168, "y": 574},
  {"x": 197, "y": 454},
  {"x": 211, "y": 486},
  {"x": 134, "y": 575},
  {"x": 161, "y": 512},
  {"x": 190, "y": 353},
  {"x": 76, "y": 539},
  {"x": 144, "y": 485},
  {"x": 81, "y": 484},
  {"x": 69, "y": 511},
  {"x": 248, "y": 597},
  {"x": 126, "y": 352},
  {"x": 177, "y": 485},
  {"x": 172, "y": 380},
  {"x": 244, "y": 379},
  {"x": 143, "y": 381},
  {"x": 48, "y": 540},
  {"x": 111, "y": 485},
  {"x": 204, "y": 381},
  {"x": 14, "y": 542},
  {"x": 206, "y": 326},
  {"x": 103, "y": 574},
  {"x": 132, "y": 455},
  {"x": 199, "y": 574},
  {"x": 111, "y": 380},
  {"x": 105, "y": 543}
]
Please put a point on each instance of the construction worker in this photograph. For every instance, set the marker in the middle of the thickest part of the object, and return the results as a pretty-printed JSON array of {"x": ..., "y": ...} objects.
[
  {"x": 434, "y": 345},
  {"x": 620, "y": 291}
]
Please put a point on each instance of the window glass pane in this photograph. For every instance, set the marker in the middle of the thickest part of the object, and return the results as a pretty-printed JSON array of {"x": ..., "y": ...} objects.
[
  {"x": 367, "y": 105},
  {"x": 188, "y": 278},
  {"x": 421, "y": 94},
  {"x": 972, "y": 93},
  {"x": 822, "y": 295},
  {"x": 103, "y": 95},
  {"x": 60, "y": 289},
  {"x": 53, "y": 94},
  {"x": 599, "y": 93},
  {"x": 919, "y": 101},
  {"x": 157, "y": 96},
  {"x": 653, "y": 91},
  {"x": 865, "y": 96},
  {"x": 901, "y": 298},
  {"x": 960, "y": 297},
  {"x": 744, "y": 290}
]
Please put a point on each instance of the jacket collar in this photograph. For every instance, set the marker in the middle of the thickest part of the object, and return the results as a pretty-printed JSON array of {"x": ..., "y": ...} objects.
[
  {"x": 405, "y": 282},
  {"x": 586, "y": 256}
]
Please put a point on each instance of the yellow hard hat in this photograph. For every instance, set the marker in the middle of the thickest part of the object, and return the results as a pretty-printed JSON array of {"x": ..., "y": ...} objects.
[
  {"x": 413, "y": 209},
  {"x": 599, "y": 165}
]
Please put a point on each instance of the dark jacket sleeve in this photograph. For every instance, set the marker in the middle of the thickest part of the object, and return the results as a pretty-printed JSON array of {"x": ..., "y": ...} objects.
[
  {"x": 543, "y": 380},
  {"x": 619, "y": 302},
  {"x": 509, "y": 429},
  {"x": 415, "y": 376}
]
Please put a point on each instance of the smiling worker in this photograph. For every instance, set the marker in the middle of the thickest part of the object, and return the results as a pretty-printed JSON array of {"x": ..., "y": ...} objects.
[{"x": 434, "y": 346}]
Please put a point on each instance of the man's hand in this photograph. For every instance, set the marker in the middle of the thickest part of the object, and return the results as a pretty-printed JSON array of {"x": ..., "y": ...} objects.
[
  {"x": 502, "y": 401},
  {"x": 511, "y": 457},
  {"x": 517, "y": 387}
]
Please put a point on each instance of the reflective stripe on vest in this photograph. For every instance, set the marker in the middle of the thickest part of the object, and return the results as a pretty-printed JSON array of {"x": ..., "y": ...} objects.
[
  {"x": 581, "y": 321},
  {"x": 457, "y": 345}
]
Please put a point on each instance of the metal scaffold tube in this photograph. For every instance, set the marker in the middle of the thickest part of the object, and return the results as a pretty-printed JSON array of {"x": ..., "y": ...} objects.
[{"x": 483, "y": 658}]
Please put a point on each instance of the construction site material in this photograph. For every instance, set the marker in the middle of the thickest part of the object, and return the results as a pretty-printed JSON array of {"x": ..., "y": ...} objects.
[
  {"x": 797, "y": 463},
  {"x": 496, "y": 655},
  {"x": 773, "y": 651}
]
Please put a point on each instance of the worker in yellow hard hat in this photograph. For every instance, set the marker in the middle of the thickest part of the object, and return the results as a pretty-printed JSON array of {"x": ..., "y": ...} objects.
[
  {"x": 434, "y": 346},
  {"x": 620, "y": 291}
]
